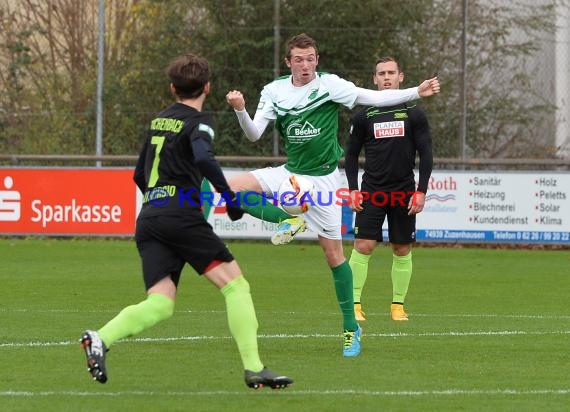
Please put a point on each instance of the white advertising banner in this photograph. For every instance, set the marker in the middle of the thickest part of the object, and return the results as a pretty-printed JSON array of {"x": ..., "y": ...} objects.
[
  {"x": 498, "y": 207},
  {"x": 462, "y": 206}
]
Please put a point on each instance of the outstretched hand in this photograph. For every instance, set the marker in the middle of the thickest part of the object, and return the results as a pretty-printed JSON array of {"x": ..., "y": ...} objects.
[
  {"x": 429, "y": 87},
  {"x": 236, "y": 100}
]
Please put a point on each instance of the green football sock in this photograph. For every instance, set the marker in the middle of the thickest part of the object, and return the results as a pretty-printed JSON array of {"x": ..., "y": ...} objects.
[
  {"x": 242, "y": 321},
  {"x": 359, "y": 264},
  {"x": 343, "y": 286},
  {"x": 401, "y": 275},
  {"x": 260, "y": 207},
  {"x": 136, "y": 318}
]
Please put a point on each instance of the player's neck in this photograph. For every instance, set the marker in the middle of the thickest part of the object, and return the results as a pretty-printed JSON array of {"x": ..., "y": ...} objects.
[{"x": 195, "y": 103}]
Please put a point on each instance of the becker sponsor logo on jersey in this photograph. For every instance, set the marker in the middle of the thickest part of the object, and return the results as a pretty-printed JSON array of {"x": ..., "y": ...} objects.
[
  {"x": 298, "y": 131},
  {"x": 388, "y": 129}
]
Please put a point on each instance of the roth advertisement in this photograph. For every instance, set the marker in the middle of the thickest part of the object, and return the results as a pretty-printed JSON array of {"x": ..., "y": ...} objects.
[
  {"x": 471, "y": 206},
  {"x": 497, "y": 207}
]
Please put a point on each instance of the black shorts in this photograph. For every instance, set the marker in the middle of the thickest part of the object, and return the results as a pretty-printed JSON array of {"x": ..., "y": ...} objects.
[
  {"x": 401, "y": 226},
  {"x": 166, "y": 243}
]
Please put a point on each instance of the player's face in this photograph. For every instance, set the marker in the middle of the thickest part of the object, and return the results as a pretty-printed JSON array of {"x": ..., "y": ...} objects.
[
  {"x": 387, "y": 76},
  {"x": 303, "y": 65}
]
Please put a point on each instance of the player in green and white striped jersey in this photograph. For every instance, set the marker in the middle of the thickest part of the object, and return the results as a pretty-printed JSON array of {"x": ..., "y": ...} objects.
[{"x": 304, "y": 106}]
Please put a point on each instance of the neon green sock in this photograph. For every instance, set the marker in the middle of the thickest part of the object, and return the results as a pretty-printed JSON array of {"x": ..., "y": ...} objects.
[
  {"x": 257, "y": 206},
  {"x": 242, "y": 321},
  {"x": 359, "y": 264},
  {"x": 343, "y": 286},
  {"x": 401, "y": 275},
  {"x": 134, "y": 319}
]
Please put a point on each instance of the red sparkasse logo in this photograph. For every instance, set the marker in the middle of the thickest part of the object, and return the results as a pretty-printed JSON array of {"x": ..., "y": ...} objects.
[{"x": 67, "y": 201}]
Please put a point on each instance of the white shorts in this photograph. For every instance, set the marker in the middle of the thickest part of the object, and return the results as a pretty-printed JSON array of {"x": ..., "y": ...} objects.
[{"x": 325, "y": 216}]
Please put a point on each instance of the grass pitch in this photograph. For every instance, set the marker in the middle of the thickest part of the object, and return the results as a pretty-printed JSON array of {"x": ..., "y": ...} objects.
[{"x": 488, "y": 331}]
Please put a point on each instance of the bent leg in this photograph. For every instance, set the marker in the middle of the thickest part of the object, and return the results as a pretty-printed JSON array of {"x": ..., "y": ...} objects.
[
  {"x": 242, "y": 320},
  {"x": 252, "y": 202},
  {"x": 244, "y": 182},
  {"x": 132, "y": 320}
]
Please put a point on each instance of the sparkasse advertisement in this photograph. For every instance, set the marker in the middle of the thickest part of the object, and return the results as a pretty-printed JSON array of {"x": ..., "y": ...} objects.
[
  {"x": 67, "y": 201},
  {"x": 461, "y": 206}
]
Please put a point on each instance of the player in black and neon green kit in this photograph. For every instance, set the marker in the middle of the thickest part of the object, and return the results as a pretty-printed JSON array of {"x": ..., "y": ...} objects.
[
  {"x": 172, "y": 230},
  {"x": 391, "y": 137},
  {"x": 304, "y": 106}
]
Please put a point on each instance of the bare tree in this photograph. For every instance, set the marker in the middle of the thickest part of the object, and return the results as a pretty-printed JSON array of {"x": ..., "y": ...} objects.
[{"x": 48, "y": 55}]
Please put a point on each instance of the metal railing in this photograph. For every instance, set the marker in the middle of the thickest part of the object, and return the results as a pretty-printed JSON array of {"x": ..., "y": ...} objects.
[{"x": 236, "y": 161}]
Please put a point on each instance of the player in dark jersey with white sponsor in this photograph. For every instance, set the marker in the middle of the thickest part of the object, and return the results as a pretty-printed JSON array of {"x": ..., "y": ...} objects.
[
  {"x": 391, "y": 136},
  {"x": 171, "y": 229}
]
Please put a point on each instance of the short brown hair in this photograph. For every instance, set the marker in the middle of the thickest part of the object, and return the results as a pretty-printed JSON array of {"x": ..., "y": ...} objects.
[
  {"x": 387, "y": 59},
  {"x": 189, "y": 74},
  {"x": 300, "y": 41}
]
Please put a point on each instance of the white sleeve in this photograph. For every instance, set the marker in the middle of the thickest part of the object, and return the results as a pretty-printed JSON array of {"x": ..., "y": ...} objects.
[
  {"x": 253, "y": 129},
  {"x": 341, "y": 91},
  {"x": 384, "y": 98}
]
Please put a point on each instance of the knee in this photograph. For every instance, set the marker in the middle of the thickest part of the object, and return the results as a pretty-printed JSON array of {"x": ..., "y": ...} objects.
[
  {"x": 401, "y": 249},
  {"x": 334, "y": 257},
  {"x": 234, "y": 184},
  {"x": 365, "y": 246}
]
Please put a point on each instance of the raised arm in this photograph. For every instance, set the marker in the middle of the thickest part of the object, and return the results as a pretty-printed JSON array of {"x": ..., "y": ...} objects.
[
  {"x": 393, "y": 97},
  {"x": 253, "y": 129},
  {"x": 429, "y": 87}
]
